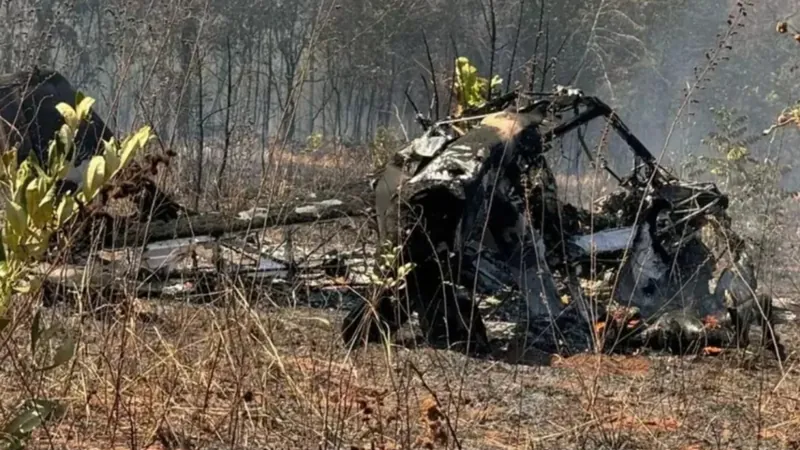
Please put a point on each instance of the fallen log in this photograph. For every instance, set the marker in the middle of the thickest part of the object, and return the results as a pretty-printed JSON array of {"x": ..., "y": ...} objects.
[
  {"x": 100, "y": 285},
  {"x": 217, "y": 225}
]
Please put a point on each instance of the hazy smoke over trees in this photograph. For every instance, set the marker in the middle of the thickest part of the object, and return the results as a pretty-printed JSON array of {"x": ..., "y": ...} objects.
[{"x": 288, "y": 69}]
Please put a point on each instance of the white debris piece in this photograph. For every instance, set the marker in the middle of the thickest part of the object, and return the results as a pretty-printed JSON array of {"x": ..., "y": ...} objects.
[
  {"x": 605, "y": 241},
  {"x": 318, "y": 206}
]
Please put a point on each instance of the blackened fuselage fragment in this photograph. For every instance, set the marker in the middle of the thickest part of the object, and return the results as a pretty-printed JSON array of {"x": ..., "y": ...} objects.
[
  {"x": 459, "y": 213},
  {"x": 30, "y": 119}
]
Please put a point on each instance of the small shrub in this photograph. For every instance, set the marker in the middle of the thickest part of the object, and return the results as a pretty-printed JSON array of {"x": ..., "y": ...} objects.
[
  {"x": 752, "y": 183},
  {"x": 314, "y": 142},
  {"x": 471, "y": 89},
  {"x": 383, "y": 146},
  {"x": 35, "y": 212}
]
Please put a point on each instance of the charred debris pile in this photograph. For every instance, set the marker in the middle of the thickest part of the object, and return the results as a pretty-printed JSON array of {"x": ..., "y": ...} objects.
[
  {"x": 468, "y": 209},
  {"x": 474, "y": 209}
]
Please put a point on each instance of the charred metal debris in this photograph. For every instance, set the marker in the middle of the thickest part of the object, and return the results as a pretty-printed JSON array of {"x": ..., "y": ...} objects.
[
  {"x": 468, "y": 209},
  {"x": 474, "y": 207}
]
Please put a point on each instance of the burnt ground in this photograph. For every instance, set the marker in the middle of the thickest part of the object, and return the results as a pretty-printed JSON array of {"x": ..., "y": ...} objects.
[
  {"x": 202, "y": 376},
  {"x": 233, "y": 373}
]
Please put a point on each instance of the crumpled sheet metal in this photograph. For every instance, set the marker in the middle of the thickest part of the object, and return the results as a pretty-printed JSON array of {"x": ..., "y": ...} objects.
[
  {"x": 495, "y": 236},
  {"x": 495, "y": 241},
  {"x": 502, "y": 245},
  {"x": 685, "y": 233},
  {"x": 500, "y": 198},
  {"x": 684, "y": 283}
]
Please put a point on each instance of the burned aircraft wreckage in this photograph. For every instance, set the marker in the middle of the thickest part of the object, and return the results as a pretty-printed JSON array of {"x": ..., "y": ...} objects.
[{"x": 477, "y": 212}]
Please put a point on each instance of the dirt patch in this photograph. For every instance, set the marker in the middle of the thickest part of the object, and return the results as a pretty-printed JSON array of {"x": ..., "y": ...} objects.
[{"x": 621, "y": 365}]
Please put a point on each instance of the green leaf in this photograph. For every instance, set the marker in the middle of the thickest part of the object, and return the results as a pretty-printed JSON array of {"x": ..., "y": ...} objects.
[
  {"x": 111, "y": 145},
  {"x": 16, "y": 218},
  {"x": 23, "y": 175},
  {"x": 471, "y": 88},
  {"x": 69, "y": 114},
  {"x": 44, "y": 210},
  {"x": 10, "y": 162},
  {"x": 65, "y": 142},
  {"x": 134, "y": 143},
  {"x": 33, "y": 194},
  {"x": 113, "y": 163},
  {"x": 84, "y": 107},
  {"x": 95, "y": 177},
  {"x": 65, "y": 210},
  {"x": 737, "y": 153},
  {"x": 23, "y": 287},
  {"x": 496, "y": 81}
]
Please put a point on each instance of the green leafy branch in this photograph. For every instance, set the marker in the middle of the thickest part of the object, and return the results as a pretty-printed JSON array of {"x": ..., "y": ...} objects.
[
  {"x": 392, "y": 273},
  {"x": 34, "y": 213},
  {"x": 753, "y": 182},
  {"x": 472, "y": 90}
]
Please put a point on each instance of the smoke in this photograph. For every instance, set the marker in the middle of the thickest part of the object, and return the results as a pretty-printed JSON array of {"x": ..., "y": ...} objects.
[{"x": 751, "y": 76}]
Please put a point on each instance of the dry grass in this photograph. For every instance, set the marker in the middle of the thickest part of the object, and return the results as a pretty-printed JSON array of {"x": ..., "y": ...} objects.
[
  {"x": 199, "y": 376},
  {"x": 260, "y": 374}
]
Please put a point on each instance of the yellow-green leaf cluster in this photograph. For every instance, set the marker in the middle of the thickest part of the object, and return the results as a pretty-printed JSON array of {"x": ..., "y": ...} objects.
[
  {"x": 33, "y": 210},
  {"x": 737, "y": 153},
  {"x": 314, "y": 142},
  {"x": 471, "y": 89},
  {"x": 392, "y": 272}
]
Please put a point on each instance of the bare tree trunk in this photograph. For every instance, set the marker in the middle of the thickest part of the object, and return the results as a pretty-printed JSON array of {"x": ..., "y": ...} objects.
[
  {"x": 349, "y": 110},
  {"x": 516, "y": 45},
  {"x": 198, "y": 183},
  {"x": 357, "y": 119},
  {"x": 539, "y": 30},
  {"x": 246, "y": 67},
  {"x": 267, "y": 107},
  {"x": 491, "y": 24},
  {"x": 188, "y": 39},
  {"x": 286, "y": 127},
  {"x": 386, "y": 114},
  {"x": 227, "y": 130},
  {"x": 311, "y": 114},
  {"x": 370, "y": 129},
  {"x": 288, "y": 122},
  {"x": 44, "y": 25},
  {"x": 257, "y": 74},
  {"x": 324, "y": 108},
  {"x": 337, "y": 119}
]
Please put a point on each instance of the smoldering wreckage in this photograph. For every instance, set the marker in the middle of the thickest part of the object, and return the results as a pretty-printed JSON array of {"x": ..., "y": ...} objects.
[
  {"x": 481, "y": 210},
  {"x": 474, "y": 210}
]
